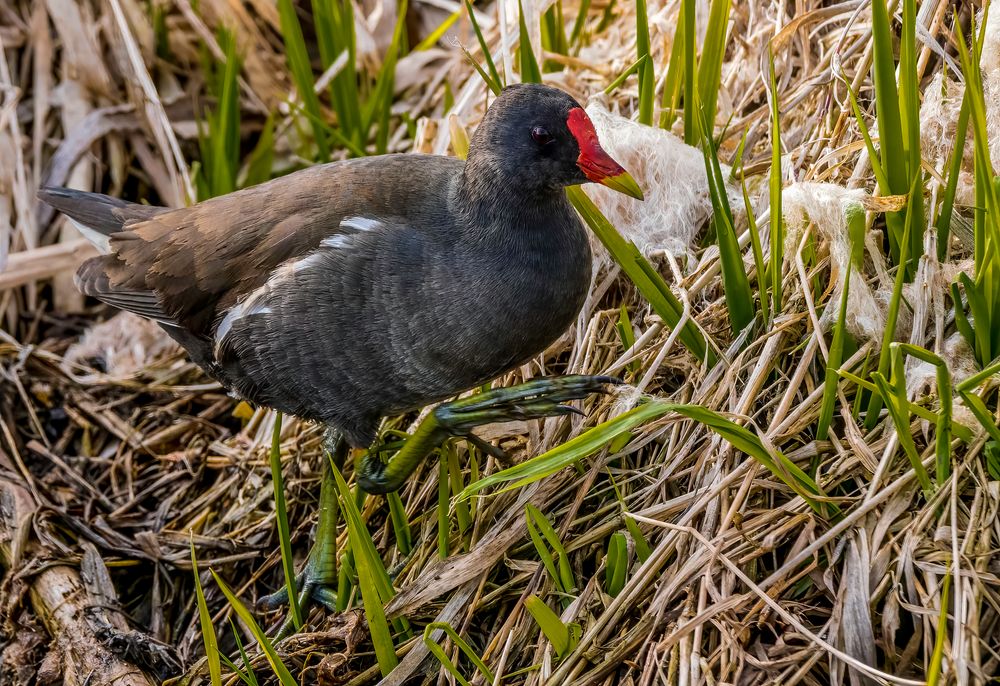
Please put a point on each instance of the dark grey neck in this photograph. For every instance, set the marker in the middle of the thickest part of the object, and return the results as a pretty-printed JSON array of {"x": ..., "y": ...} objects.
[{"x": 490, "y": 199}]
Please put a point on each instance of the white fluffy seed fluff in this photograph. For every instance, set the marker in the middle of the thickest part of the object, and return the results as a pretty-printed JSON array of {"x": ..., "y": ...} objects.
[{"x": 670, "y": 174}]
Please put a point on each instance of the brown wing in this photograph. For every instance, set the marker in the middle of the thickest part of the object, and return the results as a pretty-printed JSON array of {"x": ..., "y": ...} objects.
[
  {"x": 200, "y": 260},
  {"x": 187, "y": 266}
]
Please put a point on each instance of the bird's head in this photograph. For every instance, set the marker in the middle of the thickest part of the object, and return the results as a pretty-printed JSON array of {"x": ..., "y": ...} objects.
[{"x": 538, "y": 137}]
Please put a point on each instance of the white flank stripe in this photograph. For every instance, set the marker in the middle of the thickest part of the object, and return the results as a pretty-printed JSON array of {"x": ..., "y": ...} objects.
[
  {"x": 310, "y": 260},
  {"x": 360, "y": 223},
  {"x": 250, "y": 306},
  {"x": 254, "y": 303},
  {"x": 337, "y": 241},
  {"x": 226, "y": 324}
]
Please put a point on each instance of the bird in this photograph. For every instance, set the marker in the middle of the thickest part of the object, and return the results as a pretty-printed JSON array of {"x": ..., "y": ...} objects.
[{"x": 368, "y": 287}]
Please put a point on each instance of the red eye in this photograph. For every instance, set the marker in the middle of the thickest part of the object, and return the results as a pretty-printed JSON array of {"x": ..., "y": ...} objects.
[{"x": 541, "y": 136}]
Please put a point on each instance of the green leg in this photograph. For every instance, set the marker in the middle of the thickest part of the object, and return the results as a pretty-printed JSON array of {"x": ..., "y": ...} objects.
[
  {"x": 531, "y": 400},
  {"x": 317, "y": 581}
]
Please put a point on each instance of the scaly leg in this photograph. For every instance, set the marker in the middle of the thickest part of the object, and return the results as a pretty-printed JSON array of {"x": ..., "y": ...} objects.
[
  {"x": 318, "y": 580},
  {"x": 532, "y": 400}
]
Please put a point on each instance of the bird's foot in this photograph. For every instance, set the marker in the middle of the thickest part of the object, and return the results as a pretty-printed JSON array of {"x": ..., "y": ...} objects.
[
  {"x": 532, "y": 400},
  {"x": 315, "y": 584}
]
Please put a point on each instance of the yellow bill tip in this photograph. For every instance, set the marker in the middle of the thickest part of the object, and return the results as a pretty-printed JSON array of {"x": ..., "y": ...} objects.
[{"x": 623, "y": 183}]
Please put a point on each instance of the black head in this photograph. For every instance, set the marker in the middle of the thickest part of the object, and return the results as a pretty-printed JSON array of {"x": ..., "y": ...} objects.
[{"x": 536, "y": 137}]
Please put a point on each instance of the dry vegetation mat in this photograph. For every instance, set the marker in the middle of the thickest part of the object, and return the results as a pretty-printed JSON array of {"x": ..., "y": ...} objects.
[{"x": 799, "y": 483}]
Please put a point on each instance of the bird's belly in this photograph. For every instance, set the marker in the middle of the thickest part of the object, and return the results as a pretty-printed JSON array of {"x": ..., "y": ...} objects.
[{"x": 349, "y": 352}]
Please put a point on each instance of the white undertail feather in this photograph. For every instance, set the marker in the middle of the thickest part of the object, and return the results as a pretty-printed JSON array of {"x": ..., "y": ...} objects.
[{"x": 98, "y": 239}]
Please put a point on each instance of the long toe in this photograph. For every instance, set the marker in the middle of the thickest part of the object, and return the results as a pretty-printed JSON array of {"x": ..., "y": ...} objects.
[{"x": 556, "y": 389}]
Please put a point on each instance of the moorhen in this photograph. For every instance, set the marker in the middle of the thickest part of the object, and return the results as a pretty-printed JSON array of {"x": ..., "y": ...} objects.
[{"x": 365, "y": 288}]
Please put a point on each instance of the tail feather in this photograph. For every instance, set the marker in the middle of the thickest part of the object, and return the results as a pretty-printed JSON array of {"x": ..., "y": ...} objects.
[{"x": 96, "y": 216}]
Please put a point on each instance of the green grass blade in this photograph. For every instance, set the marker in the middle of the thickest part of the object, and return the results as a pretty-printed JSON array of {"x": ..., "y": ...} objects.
[
  {"x": 980, "y": 315},
  {"x": 376, "y": 588},
  {"x": 627, "y": 336},
  {"x": 981, "y": 413},
  {"x": 557, "y": 631},
  {"x": 855, "y": 219},
  {"x": 400, "y": 525},
  {"x": 590, "y": 441},
  {"x": 632, "y": 69},
  {"x": 607, "y": 17},
  {"x": 207, "y": 628},
  {"x": 896, "y": 407},
  {"x": 991, "y": 451},
  {"x": 494, "y": 86},
  {"x": 962, "y": 432},
  {"x": 909, "y": 97},
  {"x": 712, "y": 55},
  {"x": 616, "y": 564},
  {"x": 557, "y": 565},
  {"x": 530, "y": 73},
  {"x": 566, "y": 454},
  {"x": 735, "y": 283},
  {"x": 647, "y": 77},
  {"x": 836, "y": 357},
  {"x": 892, "y": 149},
  {"x": 261, "y": 160},
  {"x": 758, "y": 252},
  {"x": 301, "y": 70},
  {"x": 962, "y": 321},
  {"x": 543, "y": 552},
  {"x": 443, "y": 518},
  {"x": 284, "y": 532},
  {"x": 226, "y": 137},
  {"x": 624, "y": 328},
  {"x": 496, "y": 83},
  {"x": 978, "y": 377},
  {"x": 943, "y": 223},
  {"x": 437, "y": 34},
  {"x": 219, "y": 145},
  {"x": 984, "y": 300},
  {"x": 466, "y": 649},
  {"x": 642, "y": 274},
  {"x": 747, "y": 442},
  {"x": 777, "y": 225},
  {"x": 248, "y": 676},
  {"x": 940, "y": 636},
  {"x": 576, "y": 34},
  {"x": 462, "y": 515},
  {"x": 943, "y": 430},
  {"x": 379, "y": 106},
  {"x": 334, "y": 24},
  {"x": 873, "y": 158},
  {"x": 672, "y": 82},
  {"x": 554, "y": 35},
  {"x": 895, "y": 301},
  {"x": 691, "y": 132},
  {"x": 890, "y": 123},
  {"x": 243, "y": 676},
  {"x": 277, "y": 666},
  {"x": 642, "y": 547},
  {"x": 346, "y": 575}
]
